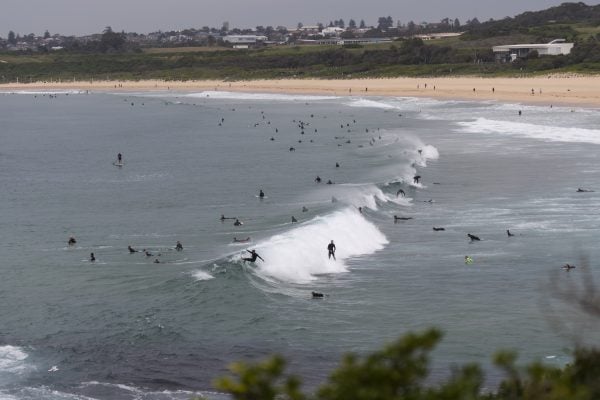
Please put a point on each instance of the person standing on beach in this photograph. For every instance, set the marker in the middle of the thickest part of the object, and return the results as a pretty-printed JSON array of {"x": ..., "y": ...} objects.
[{"x": 331, "y": 250}]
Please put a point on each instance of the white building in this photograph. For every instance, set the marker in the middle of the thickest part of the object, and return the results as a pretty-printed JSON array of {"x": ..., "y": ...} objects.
[
  {"x": 332, "y": 31},
  {"x": 244, "y": 41},
  {"x": 513, "y": 51}
]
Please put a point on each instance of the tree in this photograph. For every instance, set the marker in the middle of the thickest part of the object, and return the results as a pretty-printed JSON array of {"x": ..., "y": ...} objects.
[
  {"x": 225, "y": 26},
  {"x": 456, "y": 23},
  {"x": 111, "y": 41},
  {"x": 352, "y": 24},
  {"x": 300, "y": 25},
  {"x": 362, "y": 24},
  {"x": 384, "y": 23},
  {"x": 46, "y": 34},
  {"x": 12, "y": 38},
  {"x": 341, "y": 23}
]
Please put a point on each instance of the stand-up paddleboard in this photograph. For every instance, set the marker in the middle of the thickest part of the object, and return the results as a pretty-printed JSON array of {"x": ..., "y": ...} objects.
[{"x": 117, "y": 164}]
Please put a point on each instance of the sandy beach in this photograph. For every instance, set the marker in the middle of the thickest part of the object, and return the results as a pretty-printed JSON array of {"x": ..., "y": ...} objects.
[{"x": 549, "y": 90}]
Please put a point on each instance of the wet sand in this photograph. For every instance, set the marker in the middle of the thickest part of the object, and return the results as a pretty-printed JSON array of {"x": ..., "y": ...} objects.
[{"x": 548, "y": 90}]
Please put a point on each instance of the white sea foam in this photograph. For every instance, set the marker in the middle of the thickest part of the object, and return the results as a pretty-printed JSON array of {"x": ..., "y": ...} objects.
[
  {"x": 200, "y": 275},
  {"x": 43, "y": 92},
  {"x": 367, "y": 195},
  {"x": 12, "y": 359},
  {"x": 301, "y": 253},
  {"x": 372, "y": 104},
  {"x": 542, "y": 132},
  {"x": 256, "y": 96}
]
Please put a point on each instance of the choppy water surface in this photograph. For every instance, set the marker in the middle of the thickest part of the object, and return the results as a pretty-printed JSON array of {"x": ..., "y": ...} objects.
[{"x": 125, "y": 327}]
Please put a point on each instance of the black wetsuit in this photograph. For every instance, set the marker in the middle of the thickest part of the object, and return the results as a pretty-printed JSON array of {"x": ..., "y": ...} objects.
[
  {"x": 331, "y": 250},
  {"x": 254, "y": 255}
]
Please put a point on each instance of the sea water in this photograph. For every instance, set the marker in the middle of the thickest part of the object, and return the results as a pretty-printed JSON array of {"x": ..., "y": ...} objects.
[{"x": 125, "y": 327}]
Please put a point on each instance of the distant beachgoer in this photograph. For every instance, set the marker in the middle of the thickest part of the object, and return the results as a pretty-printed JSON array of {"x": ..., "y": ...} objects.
[
  {"x": 253, "y": 256},
  {"x": 331, "y": 250},
  {"x": 92, "y": 257},
  {"x": 520, "y": 113},
  {"x": 72, "y": 241},
  {"x": 178, "y": 246}
]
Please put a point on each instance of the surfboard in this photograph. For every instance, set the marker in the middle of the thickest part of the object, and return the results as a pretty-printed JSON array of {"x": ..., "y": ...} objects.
[{"x": 117, "y": 164}]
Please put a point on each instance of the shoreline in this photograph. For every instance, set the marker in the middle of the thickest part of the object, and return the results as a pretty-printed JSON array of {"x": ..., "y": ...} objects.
[{"x": 581, "y": 91}]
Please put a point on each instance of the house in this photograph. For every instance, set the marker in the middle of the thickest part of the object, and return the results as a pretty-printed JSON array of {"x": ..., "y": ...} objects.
[
  {"x": 244, "y": 41},
  {"x": 442, "y": 35},
  {"x": 511, "y": 52},
  {"x": 332, "y": 31}
]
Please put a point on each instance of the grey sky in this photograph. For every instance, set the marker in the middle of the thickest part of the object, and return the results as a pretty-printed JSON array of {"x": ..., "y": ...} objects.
[{"x": 78, "y": 17}]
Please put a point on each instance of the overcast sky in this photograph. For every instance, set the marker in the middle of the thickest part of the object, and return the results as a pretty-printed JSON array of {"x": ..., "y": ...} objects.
[{"x": 79, "y": 17}]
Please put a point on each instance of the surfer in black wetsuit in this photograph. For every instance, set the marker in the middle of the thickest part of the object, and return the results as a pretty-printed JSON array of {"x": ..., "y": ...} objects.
[
  {"x": 237, "y": 222},
  {"x": 178, "y": 246},
  {"x": 318, "y": 179},
  {"x": 92, "y": 257},
  {"x": 294, "y": 219},
  {"x": 261, "y": 194},
  {"x": 473, "y": 237},
  {"x": 416, "y": 178},
  {"x": 508, "y": 233},
  {"x": 72, "y": 241},
  {"x": 331, "y": 250},
  {"x": 131, "y": 249},
  {"x": 253, "y": 256},
  {"x": 400, "y": 192}
]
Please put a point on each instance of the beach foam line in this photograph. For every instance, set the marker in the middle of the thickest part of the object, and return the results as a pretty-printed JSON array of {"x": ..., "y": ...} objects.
[
  {"x": 12, "y": 359},
  {"x": 298, "y": 255},
  {"x": 542, "y": 132},
  {"x": 42, "y": 92},
  {"x": 256, "y": 96}
]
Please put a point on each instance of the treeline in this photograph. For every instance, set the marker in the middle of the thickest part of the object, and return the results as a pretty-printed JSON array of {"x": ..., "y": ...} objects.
[
  {"x": 551, "y": 23},
  {"x": 403, "y": 57}
]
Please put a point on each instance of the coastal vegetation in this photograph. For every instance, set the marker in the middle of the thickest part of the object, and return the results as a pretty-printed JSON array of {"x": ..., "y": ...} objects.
[
  {"x": 111, "y": 57},
  {"x": 401, "y": 369}
]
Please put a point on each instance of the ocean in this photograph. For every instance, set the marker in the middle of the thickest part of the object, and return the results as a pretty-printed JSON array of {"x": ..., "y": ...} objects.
[{"x": 126, "y": 327}]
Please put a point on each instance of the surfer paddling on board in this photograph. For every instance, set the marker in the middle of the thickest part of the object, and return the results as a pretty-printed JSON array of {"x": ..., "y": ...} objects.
[
  {"x": 253, "y": 256},
  {"x": 331, "y": 250}
]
